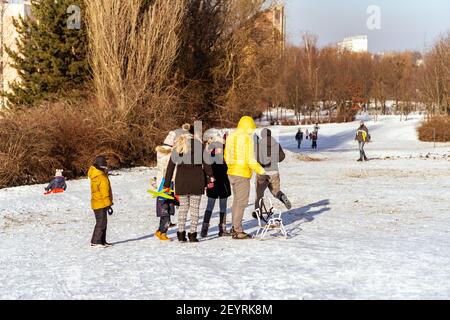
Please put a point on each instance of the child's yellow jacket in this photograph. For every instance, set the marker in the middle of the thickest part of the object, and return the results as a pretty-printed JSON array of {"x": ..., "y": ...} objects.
[{"x": 101, "y": 194}]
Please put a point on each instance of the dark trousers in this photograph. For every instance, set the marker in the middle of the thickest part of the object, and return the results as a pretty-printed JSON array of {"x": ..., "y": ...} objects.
[
  {"x": 164, "y": 223},
  {"x": 265, "y": 181},
  {"x": 299, "y": 144},
  {"x": 314, "y": 144},
  {"x": 99, "y": 235}
]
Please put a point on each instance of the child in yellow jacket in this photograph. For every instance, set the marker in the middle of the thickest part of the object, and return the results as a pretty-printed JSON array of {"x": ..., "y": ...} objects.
[{"x": 101, "y": 200}]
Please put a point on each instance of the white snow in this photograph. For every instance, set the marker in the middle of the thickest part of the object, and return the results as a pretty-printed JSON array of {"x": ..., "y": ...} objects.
[{"x": 375, "y": 230}]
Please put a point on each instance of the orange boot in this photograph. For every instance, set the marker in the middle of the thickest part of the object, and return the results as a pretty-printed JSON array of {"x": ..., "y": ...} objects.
[{"x": 162, "y": 236}]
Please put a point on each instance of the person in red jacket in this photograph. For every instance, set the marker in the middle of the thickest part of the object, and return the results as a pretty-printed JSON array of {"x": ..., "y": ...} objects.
[{"x": 313, "y": 136}]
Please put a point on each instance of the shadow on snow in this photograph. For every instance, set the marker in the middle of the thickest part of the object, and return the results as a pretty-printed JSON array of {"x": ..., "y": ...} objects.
[{"x": 306, "y": 213}]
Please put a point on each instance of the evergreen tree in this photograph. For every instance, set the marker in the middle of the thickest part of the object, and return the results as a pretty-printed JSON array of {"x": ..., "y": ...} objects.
[{"x": 51, "y": 57}]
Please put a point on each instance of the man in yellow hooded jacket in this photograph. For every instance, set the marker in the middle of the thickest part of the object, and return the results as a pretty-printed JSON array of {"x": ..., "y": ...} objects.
[
  {"x": 240, "y": 158},
  {"x": 101, "y": 200}
]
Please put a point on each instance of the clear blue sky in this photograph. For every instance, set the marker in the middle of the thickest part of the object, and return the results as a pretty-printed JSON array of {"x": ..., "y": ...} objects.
[{"x": 405, "y": 24}]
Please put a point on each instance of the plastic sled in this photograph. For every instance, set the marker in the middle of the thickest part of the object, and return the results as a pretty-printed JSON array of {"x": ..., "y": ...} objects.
[
  {"x": 54, "y": 191},
  {"x": 268, "y": 220}
]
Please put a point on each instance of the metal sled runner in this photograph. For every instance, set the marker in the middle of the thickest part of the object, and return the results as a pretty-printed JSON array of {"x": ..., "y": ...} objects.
[{"x": 268, "y": 220}]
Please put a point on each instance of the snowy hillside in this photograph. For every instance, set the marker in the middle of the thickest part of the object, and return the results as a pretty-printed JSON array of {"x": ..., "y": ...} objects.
[{"x": 376, "y": 230}]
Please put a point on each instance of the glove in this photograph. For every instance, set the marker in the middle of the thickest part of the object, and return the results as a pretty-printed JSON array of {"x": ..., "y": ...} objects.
[
  {"x": 109, "y": 211},
  {"x": 211, "y": 183}
]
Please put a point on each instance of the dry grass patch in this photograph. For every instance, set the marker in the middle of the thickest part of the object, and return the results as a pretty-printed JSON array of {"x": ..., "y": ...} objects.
[{"x": 437, "y": 128}]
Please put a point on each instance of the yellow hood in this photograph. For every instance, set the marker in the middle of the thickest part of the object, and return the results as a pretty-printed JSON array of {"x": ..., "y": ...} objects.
[
  {"x": 239, "y": 150},
  {"x": 247, "y": 124},
  {"x": 94, "y": 173}
]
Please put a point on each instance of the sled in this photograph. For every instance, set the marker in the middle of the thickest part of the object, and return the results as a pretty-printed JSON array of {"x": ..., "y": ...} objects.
[
  {"x": 268, "y": 220},
  {"x": 161, "y": 194},
  {"x": 54, "y": 191}
]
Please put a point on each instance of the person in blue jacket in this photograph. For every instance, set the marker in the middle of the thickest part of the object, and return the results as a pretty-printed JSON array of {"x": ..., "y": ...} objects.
[{"x": 58, "y": 183}]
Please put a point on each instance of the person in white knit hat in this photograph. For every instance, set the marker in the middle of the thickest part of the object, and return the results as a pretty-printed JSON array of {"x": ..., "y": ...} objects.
[
  {"x": 58, "y": 184},
  {"x": 165, "y": 209}
]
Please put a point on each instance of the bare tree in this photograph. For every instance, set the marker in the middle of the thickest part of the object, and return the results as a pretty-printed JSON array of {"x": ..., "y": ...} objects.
[
  {"x": 435, "y": 77},
  {"x": 247, "y": 78},
  {"x": 132, "y": 50},
  {"x": 3, "y": 62}
]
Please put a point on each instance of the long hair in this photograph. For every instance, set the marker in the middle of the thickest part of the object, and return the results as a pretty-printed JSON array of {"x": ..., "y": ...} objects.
[{"x": 182, "y": 143}]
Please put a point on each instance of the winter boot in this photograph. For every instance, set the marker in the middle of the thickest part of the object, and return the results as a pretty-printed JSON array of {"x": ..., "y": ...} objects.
[
  {"x": 161, "y": 236},
  {"x": 193, "y": 237},
  {"x": 205, "y": 226},
  {"x": 242, "y": 236},
  {"x": 223, "y": 226},
  {"x": 283, "y": 198},
  {"x": 223, "y": 230},
  {"x": 181, "y": 236}
]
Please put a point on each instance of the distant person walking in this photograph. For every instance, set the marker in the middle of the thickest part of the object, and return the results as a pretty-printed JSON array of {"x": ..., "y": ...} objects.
[
  {"x": 313, "y": 136},
  {"x": 363, "y": 137},
  {"x": 316, "y": 128},
  {"x": 240, "y": 158},
  {"x": 299, "y": 138}
]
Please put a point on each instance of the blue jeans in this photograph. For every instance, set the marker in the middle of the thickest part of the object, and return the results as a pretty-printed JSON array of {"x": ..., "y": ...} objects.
[
  {"x": 164, "y": 224},
  {"x": 222, "y": 205},
  {"x": 210, "y": 208}
]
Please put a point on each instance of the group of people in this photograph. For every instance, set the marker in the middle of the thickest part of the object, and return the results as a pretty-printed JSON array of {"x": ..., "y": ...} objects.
[
  {"x": 188, "y": 168},
  {"x": 362, "y": 137},
  {"x": 313, "y": 136}
]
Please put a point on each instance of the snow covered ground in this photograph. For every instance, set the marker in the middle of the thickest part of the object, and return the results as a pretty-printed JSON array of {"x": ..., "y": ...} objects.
[{"x": 375, "y": 230}]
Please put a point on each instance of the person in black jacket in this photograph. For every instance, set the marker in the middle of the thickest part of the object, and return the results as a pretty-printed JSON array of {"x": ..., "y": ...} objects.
[
  {"x": 190, "y": 181},
  {"x": 299, "y": 138},
  {"x": 219, "y": 189},
  {"x": 269, "y": 153},
  {"x": 314, "y": 136}
]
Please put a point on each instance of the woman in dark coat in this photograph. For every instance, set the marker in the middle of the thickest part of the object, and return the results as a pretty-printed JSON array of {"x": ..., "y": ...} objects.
[
  {"x": 190, "y": 180},
  {"x": 219, "y": 189}
]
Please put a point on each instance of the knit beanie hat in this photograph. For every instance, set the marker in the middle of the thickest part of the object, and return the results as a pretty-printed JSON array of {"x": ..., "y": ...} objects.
[
  {"x": 101, "y": 163},
  {"x": 170, "y": 139},
  {"x": 59, "y": 173}
]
